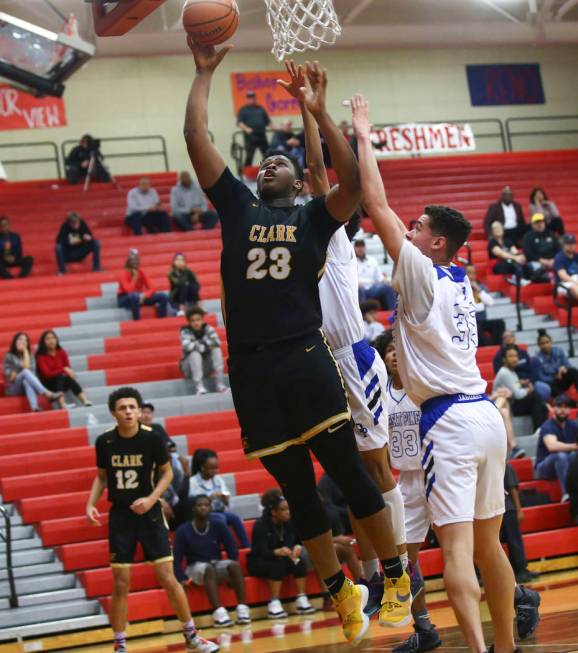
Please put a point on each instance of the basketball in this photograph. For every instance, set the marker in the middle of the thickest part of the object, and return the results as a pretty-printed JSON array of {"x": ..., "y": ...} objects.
[{"x": 210, "y": 22}]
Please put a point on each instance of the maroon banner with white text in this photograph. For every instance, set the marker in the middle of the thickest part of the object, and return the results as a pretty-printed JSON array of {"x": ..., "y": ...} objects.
[
  {"x": 412, "y": 138},
  {"x": 19, "y": 110}
]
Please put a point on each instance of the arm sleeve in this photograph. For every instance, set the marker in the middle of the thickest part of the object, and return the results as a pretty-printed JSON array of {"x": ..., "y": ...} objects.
[
  {"x": 100, "y": 454},
  {"x": 178, "y": 555},
  {"x": 85, "y": 229},
  {"x": 259, "y": 545},
  {"x": 126, "y": 283},
  {"x": 187, "y": 342},
  {"x": 156, "y": 195},
  {"x": 559, "y": 262},
  {"x": 241, "y": 115},
  {"x": 564, "y": 358},
  {"x": 413, "y": 278},
  {"x": 229, "y": 196},
  {"x": 211, "y": 338},
  {"x": 148, "y": 287},
  {"x": 131, "y": 205},
  {"x": 174, "y": 205}
]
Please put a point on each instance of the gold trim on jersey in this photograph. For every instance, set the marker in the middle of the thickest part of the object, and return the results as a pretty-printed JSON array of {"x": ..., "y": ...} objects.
[
  {"x": 159, "y": 561},
  {"x": 322, "y": 270},
  {"x": 120, "y": 565}
]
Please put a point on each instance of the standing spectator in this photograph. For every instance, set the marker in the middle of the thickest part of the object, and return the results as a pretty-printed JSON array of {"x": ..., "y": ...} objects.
[
  {"x": 276, "y": 553},
  {"x": 490, "y": 332},
  {"x": 135, "y": 289},
  {"x": 557, "y": 445},
  {"x": 253, "y": 119},
  {"x": 184, "y": 285},
  {"x": 566, "y": 266},
  {"x": 19, "y": 377},
  {"x": 78, "y": 162},
  {"x": 11, "y": 252},
  {"x": 539, "y": 203},
  {"x": 371, "y": 326},
  {"x": 552, "y": 366},
  {"x": 206, "y": 480},
  {"x": 144, "y": 209},
  {"x": 372, "y": 281},
  {"x": 509, "y": 213},
  {"x": 508, "y": 258},
  {"x": 189, "y": 205},
  {"x": 286, "y": 141},
  {"x": 75, "y": 242},
  {"x": 524, "y": 401},
  {"x": 54, "y": 369},
  {"x": 540, "y": 247},
  {"x": 202, "y": 356},
  {"x": 199, "y": 542}
]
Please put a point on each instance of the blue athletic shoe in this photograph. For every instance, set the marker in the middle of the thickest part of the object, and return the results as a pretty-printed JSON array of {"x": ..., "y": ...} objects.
[
  {"x": 375, "y": 587},
  {"x": 527, "y": 605},
  {"x": 421, "y": 640}
]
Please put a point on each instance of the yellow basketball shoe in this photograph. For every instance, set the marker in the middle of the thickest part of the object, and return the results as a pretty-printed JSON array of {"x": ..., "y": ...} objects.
[
  {"x": 396, "y": 603},
  {"x": 349, "y": 604}
]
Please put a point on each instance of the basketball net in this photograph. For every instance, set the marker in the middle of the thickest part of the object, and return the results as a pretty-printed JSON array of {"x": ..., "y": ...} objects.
[{"x": 300, "y": 25}]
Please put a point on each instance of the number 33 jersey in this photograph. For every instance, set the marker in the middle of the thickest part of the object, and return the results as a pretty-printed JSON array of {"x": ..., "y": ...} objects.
[
  {"x": 404, "y": 442},
  {"x": 131, "y": 464},
  {"x": 271, "y": 263}
]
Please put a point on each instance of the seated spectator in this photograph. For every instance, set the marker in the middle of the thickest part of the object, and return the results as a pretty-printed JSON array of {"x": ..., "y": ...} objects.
[
  {"x": 200, "y": 542},
  {"x": 11, "y": 252},
  {"x": 509, "y": 259},
  {"x": 552, "y": 366},
  {"x": 135, "y": 289},
  {"x": 78, "y": 162},
  {"x": 206, "y": 480},
  {"x": 189, "y": 205},
  {"x": 372, "y": 281},
  {"x": 372, "y": 328},
  {"x": 572, "y": 487},
  {"x": 524, "y": 400},
  {"x": 490, "y": 332},
  {"x": 508, "y": 213},
  {"x": 557, "y": 445},
  {"x": 75, "y": 242},
  {"x": 276, "y": 553},
  {"x": 566, "y": 266},
  {"x": 540, "y": 246},
  {"x": 501, "y": 399},
  {"x": 539, "y": 203},
  {"x": 19, "y": 377},
  {"x": 144, "y": 209},
  {"x": 185, "y": 288},
  {"x": 148, "y": 417},
  {"x": 335, "y": 505},
  {"x": 286, "y": 141},
  {"x": 54, "y": 368},
  {"x": 202, "y": 356}
]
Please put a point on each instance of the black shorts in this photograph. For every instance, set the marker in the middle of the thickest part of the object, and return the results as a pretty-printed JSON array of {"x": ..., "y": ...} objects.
[
  {"x": 126, "y": 529},
  {"x": 286, "y": 393}
]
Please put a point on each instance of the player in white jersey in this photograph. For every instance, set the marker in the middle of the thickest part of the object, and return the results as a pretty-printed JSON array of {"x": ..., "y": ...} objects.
[{"x": 462, "y": 435}]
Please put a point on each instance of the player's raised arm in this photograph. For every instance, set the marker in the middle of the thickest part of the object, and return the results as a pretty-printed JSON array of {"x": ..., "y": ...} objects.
[{"x": 206, "y": 160}]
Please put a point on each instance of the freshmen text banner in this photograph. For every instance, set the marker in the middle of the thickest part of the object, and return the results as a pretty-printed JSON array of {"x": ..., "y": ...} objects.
[
  {"x": 270, "y": 95},
  {"x": 422, "y": 139},
  {"x": 19, "y": 110}
]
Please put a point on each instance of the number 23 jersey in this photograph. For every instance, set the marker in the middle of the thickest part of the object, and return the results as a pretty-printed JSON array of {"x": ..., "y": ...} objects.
[
  {"x": 271, "y": 263},
  {"x": 404, "y": 442}
]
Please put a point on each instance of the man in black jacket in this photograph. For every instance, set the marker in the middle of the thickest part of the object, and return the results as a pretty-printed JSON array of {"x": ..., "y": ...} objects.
[
  {"x": 540, "y": 245},
  {"x": 75, "y": 242},
  {"x": 11, "y": 252},
  {"x": 253, "y": 119},
  {"x": 507, "y": 212},
  {"x": 78, "y": 162}
]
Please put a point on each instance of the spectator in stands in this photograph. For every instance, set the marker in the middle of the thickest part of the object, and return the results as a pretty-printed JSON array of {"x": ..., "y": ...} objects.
[
  {"x": 557, "y": 445},
  {"x": 539, "y": 203},
  {"x": 572, "y": 487},
  {"x": 509, "y": 213},
  {"x": 372, "y": 281},
  {"x": 335, "y": 504},
  {"x": 552, "y": 366},
  {"x": 508, "y": 258},
  {"x": 11, "y": 252},
  {"x": 202, "y": 356},
  {"x": 78, "y": 162},
  {"x": 135, "y": 289},
  {"x": 185, "y": 287},
  {"x": 345, "y": 129},
  {"x": 19, "y": 377},
  {"x": 490, "y": 332},
  {"x": 540, "y": 246},
  {"x": 372, "y": 327},
  {"x": 54, "y": 369},
  {"x": 286, "y": 141},
  {"x": 253, "y": 119},
  {"x": 511, "y": 533},
  {"x": 144, "y": 209},
  {"x": 305, "y": 195},
  {"x": 524, "y": 401},
  {"x": 276, "y": 553},
  {"x": 75, "y": 242},
  {"x": 566, "y": 266},
  {"x": 200, "y": 542},
  {"x": 206, "y": 480},
  {"x": 501, "y": 399},
  {"x": 148, "y": 418},
  {"x": 189, "y": 205}
]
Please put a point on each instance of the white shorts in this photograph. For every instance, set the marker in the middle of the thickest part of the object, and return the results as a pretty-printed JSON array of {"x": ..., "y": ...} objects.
[
  {"x": 196, "y": 571},
  {"x": 463, "y": 456},
  {"x": 417, "y": 515},
  {"x": 365, "y": 380}
]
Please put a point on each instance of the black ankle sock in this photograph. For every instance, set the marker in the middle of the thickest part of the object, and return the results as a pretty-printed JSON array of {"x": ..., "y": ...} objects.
[
  {"x": 392, "y": 567},
  {"x": 335, "y": 583}
]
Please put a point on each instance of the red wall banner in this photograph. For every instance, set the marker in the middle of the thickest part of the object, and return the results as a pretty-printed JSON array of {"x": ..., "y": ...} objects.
[
  {"x": 19, "y": 110},
  {"x": 269, "y": 94},
  {"x": 422, "y": 139}
]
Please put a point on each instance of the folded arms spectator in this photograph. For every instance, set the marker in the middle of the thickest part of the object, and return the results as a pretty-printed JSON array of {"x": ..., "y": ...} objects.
[
  {"x": 75, "y": 242},
  {"x": 11, "y": 252},
  {"x": 144, "y": 209},
  {"x": 539, "y": 203},
  {"x": 135, "y": 289},
  {"x": 189, "y": 205},
  {"x": 509, "y": 213}
]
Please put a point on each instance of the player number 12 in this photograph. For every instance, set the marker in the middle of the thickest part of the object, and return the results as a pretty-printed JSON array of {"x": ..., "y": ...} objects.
[
  {"x": 126, "y": 479},
  {"x": 279, "y": 268}
]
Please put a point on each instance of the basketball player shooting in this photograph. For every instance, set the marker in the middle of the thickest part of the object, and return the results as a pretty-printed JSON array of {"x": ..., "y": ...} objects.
[{"x": 462, "y": 434}]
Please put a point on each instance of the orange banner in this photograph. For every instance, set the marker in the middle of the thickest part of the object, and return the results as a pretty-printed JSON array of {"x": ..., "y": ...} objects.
[
  {"x": 270, "y": 95},
  {"x": 19, "y": 110}
]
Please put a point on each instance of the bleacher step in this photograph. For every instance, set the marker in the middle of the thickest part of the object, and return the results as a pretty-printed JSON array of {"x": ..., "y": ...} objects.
[
  {"x": 27, "y": 558},
  {"x": 34, "y": 570},
  {"x": 50, "y": 627},
  {"x": 38, "y": 613},
  {"x": 59, "y": 596},
  {"x": 99, "y": 316},
  {"x": 48, "y": 583}
]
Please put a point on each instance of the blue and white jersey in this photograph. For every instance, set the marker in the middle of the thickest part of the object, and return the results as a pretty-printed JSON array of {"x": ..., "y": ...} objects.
[
  {"x": 404, "y": 441},
  {"x": 436, "y": 333}
]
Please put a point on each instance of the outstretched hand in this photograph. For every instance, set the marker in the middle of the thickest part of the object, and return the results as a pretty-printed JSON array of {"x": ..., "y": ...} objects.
[
  {"x": 296, "y": 86},
  {"x": 314, "y": 97},
  {"x": 360, "y": 116},
  {"x": 207, "y": 58}
]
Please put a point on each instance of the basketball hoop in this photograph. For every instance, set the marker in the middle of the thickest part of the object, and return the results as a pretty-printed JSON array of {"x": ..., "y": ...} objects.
[{"x": 300, "y": 25}]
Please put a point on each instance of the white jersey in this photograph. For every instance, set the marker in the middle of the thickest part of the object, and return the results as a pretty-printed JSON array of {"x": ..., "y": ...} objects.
[
  {"x": 338, "y": 291},
  {"x": 436, "y": 333},
  {"x": 404, "y": 441}
]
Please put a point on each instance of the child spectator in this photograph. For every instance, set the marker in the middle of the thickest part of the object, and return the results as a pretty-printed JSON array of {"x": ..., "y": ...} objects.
[
  {"x": 202, "y": 355},
  {"x": 206, "y": 480},
  {"x": 539, "y": 203},
  {"x": 372, "y": 328},
  {"x": 189, "y": 205},
  {"x": 490, "y": 332},
  {"x": 552, "y": 366},
  {"x": 276, "y": 554},
  {"x": 136, "y": 290},
  {"x": 508, "y": 258},
  {"x": 19, "y": 377},
  {"x": 540, "y": 246},
  {"x": 199, "y": 542},
  {"x": 184, "y": 285},
  {"x": 54, "y": 368},
  {"x": 144, "y": 209},
  {"x": 566, "y": 266},
  {"x": 11, "y": 252},
  {"x": 75, "y": 242}
]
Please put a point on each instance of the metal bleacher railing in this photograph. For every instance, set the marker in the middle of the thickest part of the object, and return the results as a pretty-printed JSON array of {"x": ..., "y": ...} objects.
[
  {"x": 35, "y": 153},
  {"x": 557, "y": 127},
  {"x": 7, "y": 538}
]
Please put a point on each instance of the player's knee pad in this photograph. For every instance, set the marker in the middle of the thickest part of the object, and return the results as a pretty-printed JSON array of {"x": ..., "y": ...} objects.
[{"x": 396, "y": 511}]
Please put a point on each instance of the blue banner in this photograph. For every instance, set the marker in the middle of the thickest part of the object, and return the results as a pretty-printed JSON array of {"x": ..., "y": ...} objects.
[{"x": 502, "y": 84}]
